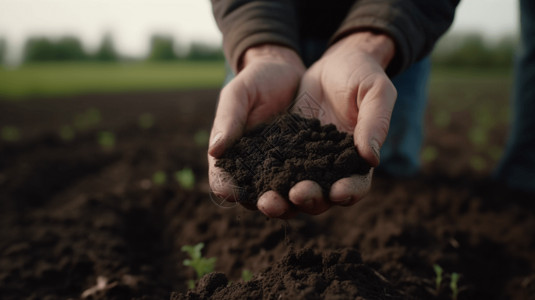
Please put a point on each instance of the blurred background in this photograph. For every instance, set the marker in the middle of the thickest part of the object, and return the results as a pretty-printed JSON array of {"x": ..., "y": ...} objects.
[
  {"x": 65, "y": 48},
  {"x": 52, "y": 47}
]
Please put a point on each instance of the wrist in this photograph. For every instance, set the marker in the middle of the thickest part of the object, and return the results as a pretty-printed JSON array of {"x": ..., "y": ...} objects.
[
  {"x": 272, "y": 53},
  {"x": 378, "y": 45}
]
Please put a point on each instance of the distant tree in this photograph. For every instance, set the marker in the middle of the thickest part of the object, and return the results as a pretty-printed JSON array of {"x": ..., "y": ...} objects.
[
  {"x": 38, "y": 49},
  {"x": 3, "y": 50},
  {"x": 162, "y": 48},
  {"x": 202, "y": 51},
  {"x": 69, "y": 48},
  {"x": 106, "y": 51},
  {"x": 472, "y": 50}
]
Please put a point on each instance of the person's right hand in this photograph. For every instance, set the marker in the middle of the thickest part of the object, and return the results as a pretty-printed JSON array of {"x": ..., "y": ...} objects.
[{"x": 264, "y": 87}]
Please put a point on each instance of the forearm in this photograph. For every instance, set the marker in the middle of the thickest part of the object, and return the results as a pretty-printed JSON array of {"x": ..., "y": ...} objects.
[
  {"x": 271, "y": 53},
  {"x": 245, "y": 24},
  {"x": 413, "y": 25},
  {"x": 377, "y": 45}
]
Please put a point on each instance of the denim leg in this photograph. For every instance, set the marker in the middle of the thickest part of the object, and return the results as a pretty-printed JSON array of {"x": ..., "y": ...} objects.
[
  {"x": 517, "y": 167},
  {"x": 400, "y": 154}
]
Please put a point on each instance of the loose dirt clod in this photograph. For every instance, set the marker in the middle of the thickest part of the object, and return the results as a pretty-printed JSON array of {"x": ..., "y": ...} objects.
[{"x": 290, "y": 149}]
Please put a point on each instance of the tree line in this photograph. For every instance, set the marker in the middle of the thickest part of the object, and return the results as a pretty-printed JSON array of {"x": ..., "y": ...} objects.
[
  {"x": 466, "y": 50},
  {"x": 70, "y": 48}
]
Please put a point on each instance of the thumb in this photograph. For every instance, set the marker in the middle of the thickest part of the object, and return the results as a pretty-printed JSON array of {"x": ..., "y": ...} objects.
[
  {"x": 375, "y": 110},
  {"x": 230, "y": 118}
]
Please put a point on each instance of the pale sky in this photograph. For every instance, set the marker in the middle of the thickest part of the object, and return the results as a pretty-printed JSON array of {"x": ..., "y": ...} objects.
[{"x": 131, "y": 22}]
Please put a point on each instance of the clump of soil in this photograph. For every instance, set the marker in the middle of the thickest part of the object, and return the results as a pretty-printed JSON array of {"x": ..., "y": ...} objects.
[
  {"x": 302, "y": 274},
  {"x": 277, "y": 155}
]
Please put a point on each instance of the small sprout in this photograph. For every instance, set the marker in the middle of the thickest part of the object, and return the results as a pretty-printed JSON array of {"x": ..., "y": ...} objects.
[
  {"x": 246, "y": 275},
  {"x": 453, "y": 285},
  {"x": 106, "y": 139},
  {"x": 201, "y": 138},
  {"x": 429, "y": 154},
  {"x": 66, "y": 133},
  {"x": 10, "y": 134},
  {"x": 145, "y": 121},
  {"x": 201, "y": 265},
  {"x": 87, "y": 119},
  {"x": 185, "y": 178},
  {"x": 438, "y": 278},
  {"x": 442, "y": 119},
  {"x": 477, "y": 163},
  {"x": 159, "y": 178},
  {"x": 478, "y": 136}
]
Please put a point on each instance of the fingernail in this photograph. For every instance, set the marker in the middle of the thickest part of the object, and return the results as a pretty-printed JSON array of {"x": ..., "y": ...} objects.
[
  {"x": 216, "y": 139},
  {"x": 375, "y": 148}
]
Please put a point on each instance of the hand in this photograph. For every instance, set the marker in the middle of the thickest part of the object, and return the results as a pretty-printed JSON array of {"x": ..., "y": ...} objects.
[
  {"x": 265, "y": 86},
  {"x": 352, "y": 91}
]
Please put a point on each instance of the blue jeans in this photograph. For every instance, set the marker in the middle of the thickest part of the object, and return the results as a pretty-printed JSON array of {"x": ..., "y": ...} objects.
[{"x": 517, "y": 167}]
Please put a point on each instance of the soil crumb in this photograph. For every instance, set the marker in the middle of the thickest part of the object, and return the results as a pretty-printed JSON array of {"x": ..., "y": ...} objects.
[{"x": 277, "y": 155}]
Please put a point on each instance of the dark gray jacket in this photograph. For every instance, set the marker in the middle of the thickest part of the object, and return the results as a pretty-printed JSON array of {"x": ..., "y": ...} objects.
[{"x": 414, "y": 25}]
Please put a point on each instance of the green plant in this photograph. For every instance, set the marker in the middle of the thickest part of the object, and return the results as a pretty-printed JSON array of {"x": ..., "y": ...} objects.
[
  {"x": 88, "y": 119},
  {"x": 201, "y": 265},
  {"x": 454, "y": 285},
  {"x": 106, "y": 139},
  {"x": 201, "y": 138},
  {"x": 429, "y": 153},
  {"x": 146, "y": 121},
  {"x": 10, "y": 133},
  {"x": 442, "y": 118},
  {"x": 185, "y": 178},
  {"x": 438, "y": 276},
  {"x": 246, "y": 275},
  {"x": 66, "y": 133},
  {"x": 159, "y": 178}
]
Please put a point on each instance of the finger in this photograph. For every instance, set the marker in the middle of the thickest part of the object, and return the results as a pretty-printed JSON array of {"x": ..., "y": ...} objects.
[
  {"x": 375, "y": 109},
  {"x": 307, "y": 196},
  {"x": 274, "y": 206},
  {"x": 310, "y": 91},
  {"x": 348, "y": 191},
  {"x": 230, "y": 118},
  {"x": 222, "y": 184}
]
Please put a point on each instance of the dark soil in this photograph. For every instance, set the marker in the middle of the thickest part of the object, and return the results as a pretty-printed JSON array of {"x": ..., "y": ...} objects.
[
  {"x": 277, "y": 155},
  {"x": 81, "y": 221}
]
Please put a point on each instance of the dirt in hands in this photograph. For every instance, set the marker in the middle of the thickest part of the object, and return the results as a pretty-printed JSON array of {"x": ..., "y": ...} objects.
[{"x": 277, "y": 155}]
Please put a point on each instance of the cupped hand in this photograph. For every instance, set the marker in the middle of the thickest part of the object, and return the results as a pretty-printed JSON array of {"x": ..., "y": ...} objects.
[
  {"x": 264, "y": 87},
  {"x": 347, "y": 87}
]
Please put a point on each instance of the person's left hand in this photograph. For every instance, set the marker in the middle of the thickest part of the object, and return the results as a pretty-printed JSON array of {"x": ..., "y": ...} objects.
[{"x": 351, "y": 90}]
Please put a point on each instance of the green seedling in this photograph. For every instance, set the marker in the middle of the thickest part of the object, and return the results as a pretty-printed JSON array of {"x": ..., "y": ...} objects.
[
  {"x": 88, "y": 119},
  {"x": 185, "y": 178},
  {"x": 10, "y": 134},
  {"x": 246, "y": 275},
  {"x": 429, "y": 154},
  {"x": 478, "y": 136},
  {"x": 106, "y": 139},
  {"x": 201, "y": 265},
  {"x": 66, "y": 133},
  {"x": 159, "y": 178},
  {"x": 145, "y": 121},
  {"x": 454, "y": 285},
  {"x": 478, "y": 163},
  {"x": 201, "y": 138},
  {"x": 438, "y": 276},
  {"x": 442, "y": 119}
]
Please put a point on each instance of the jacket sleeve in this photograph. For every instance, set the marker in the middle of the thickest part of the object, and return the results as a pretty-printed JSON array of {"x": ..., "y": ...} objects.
[
  {"x": 414, "y": 25},
  {"x": 246, "y": 23}
]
